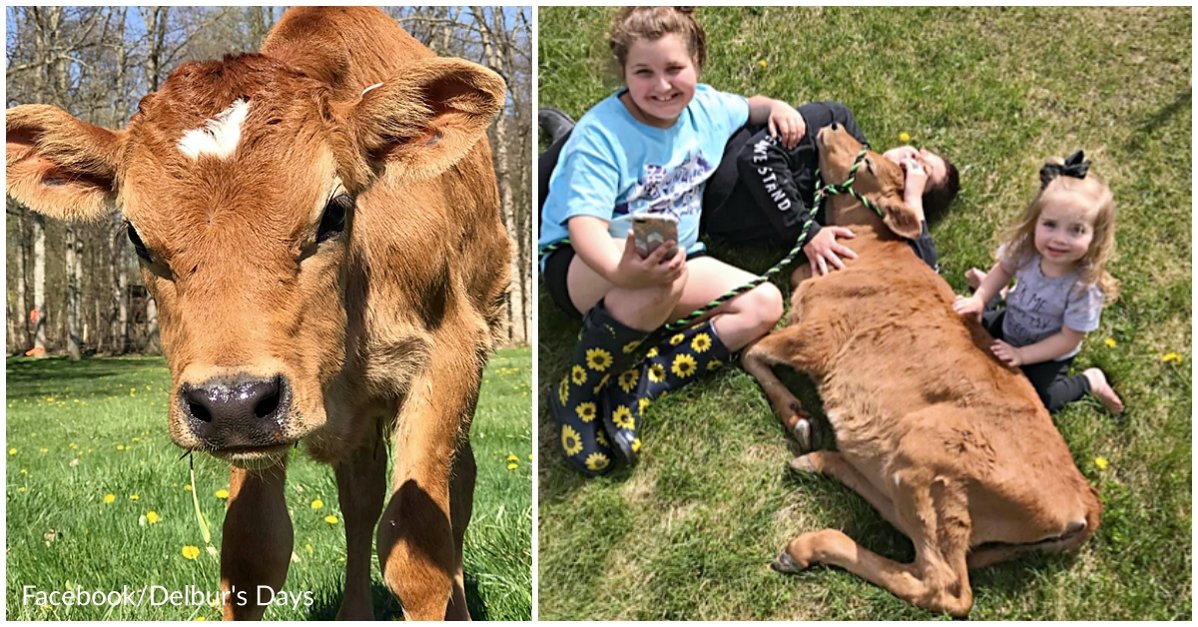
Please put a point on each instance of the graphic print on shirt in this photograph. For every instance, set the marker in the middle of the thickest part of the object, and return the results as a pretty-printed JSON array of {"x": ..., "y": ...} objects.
[{"x": 677, "y": 192}]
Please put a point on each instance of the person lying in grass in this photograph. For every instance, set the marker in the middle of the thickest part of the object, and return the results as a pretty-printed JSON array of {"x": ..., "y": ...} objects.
[
  {"x": 648, "y": 148},
  {"x": 1058, "y": 252}
]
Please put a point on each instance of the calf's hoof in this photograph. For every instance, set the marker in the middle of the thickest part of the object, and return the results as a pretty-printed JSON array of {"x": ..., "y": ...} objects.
[
  {"x": 802, "y": 465},
  {"x": 802, "y": 434},
  {"x": 786, "y": 564}
]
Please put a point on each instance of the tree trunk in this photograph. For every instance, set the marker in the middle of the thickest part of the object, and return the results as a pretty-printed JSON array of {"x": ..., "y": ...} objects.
[
  {"x": 74, "y": 333},
  {"x": 37, "y": 316}
]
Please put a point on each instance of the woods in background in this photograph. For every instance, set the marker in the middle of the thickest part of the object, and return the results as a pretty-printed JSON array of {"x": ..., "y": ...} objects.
[{"x": 76, "y": 288}]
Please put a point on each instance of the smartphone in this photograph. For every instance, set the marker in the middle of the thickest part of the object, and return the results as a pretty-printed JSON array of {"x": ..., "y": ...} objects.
[{"x": 652, "y": 230}]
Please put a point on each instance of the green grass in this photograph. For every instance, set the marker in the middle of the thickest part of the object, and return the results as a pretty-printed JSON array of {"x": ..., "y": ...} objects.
[
  {"x": 79, "y": 431},
  {"x": 689, "y": 533}
]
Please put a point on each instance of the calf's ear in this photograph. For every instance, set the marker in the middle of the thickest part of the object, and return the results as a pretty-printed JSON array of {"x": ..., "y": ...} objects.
[
  {"x": 421, "y": 122},
  {"x": 58, "y": 165},
  {"x": 900, "y": 218}
]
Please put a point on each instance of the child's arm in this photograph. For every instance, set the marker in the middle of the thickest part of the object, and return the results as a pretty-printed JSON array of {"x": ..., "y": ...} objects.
[
  {"x": 1050, "y": 347},
  {"x": 784, "y": 121},
  {"x": 626, "y": 268},
  {"x": 996, "y": 279}
]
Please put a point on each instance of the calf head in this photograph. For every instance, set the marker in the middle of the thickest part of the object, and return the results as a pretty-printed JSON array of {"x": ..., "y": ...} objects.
[
  {"x": 877, "y": 179},
  {"x": 238, "y": 182}
]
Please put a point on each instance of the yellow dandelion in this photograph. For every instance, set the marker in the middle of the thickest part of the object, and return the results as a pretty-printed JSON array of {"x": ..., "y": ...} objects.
[
  {"x": 222, "y": 493},
  {"x": 187, "y": 487},
  {"x": 657, "y": 373},
  {"x": 623, "y": 418},
  {"x": 652, "y": 353},
  {"x": 763, "y": 64},
  {"x": 597, "y": 461},
  {"x": 72, "y": 446},
  {"x": 201, "y": 619},
  {"x": 677, "y": 339},
  {"x": 191, "y": 552},
  {"x": 512, "y": 457},
  {"x": 152, "y": 517},
  {"x": 630, "y": 347},
  {"x": 684, "y": 366},
  {"x": 1101, "y": 463},
  {"x": 120, "y": 447},
  {"x": 317, "y": 504},
  {"x": 1110, "y": 342},
  {"x": 309, "y": 549},
  {"x": 579, "y": 375},
  {"x": 134, "y": 497},
  {"x": 629, "y": 379},
  {"x": 513, "y": 466},
  {"x": 132, "y": 391},
  {"x": 571, "y": 443},
  {"x": 1171, "y": 358},
  {"x": 701, "y": 343},
  {"x": 598, "y": 359},
  {"x": 24, "y": 471},
  {"x": 904, "y": 138},
  {"x": 331, "y": 519},
  {"x": 563, "y": 390},
  {"x": 109, "y": 499},
  {"x": 12, "y": 451},
  {"x": 586, "y": 411},
  {"x": 43, "y": 450}
]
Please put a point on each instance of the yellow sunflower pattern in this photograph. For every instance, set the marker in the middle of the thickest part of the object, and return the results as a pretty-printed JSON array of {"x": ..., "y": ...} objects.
[
  {"x": 677, "y": 339},
  {"x": 601, "y": 438},
  {"x": 629, "y": 379},
  {"x": 563, "y": 390},
  {"x": 643, "y": 404},
  {"x": 623, "y": 417},
  {"x": 657, "y": 373},
  {"x": 586, "y": 411},
  {"x": 684, "y": 366},
  {"x": 631, "y": 346},
  {"x": 636, "y": 445},
  {"x": 653, "y": 352},
  {"x": 597, "y": 462},
  {"x": 602, "y": 382},
  {"x": 571, "y": 443},
  {"x": 578, "y": 375},
  {"x": 598, "y": 359},
  {"x": 701, "y": 343},
  {"x": 713, "y": 365}
]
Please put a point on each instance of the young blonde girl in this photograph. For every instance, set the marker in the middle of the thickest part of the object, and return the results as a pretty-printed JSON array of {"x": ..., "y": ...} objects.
[
  {"x": 1059, "y": 252},
  {"x": 648, "y": 148}
]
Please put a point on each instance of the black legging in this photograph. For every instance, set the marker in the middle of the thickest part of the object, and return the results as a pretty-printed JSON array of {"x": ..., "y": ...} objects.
[{"x": 1050, "y": 378}]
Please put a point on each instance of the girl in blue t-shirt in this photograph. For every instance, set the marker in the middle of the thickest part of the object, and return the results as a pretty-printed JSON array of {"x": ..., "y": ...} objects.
[
  {"x": 649, "y": 148},
  {"x": 1058, "y": 251}
]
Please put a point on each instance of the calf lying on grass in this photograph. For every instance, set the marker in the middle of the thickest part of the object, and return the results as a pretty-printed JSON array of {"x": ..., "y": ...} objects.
[
  {"x": 950, "y": 446},
  {"x": 320, "y": 227}
]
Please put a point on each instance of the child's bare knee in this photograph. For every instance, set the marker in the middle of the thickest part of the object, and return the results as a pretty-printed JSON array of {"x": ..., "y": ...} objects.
[{"x": 766, "y": 306}]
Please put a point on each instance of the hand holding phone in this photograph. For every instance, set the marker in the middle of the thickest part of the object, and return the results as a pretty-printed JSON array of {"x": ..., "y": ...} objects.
[{"x": 654, "y": 230}]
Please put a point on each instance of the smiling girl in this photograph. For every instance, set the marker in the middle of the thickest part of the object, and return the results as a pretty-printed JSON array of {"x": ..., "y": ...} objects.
[
  {"x": 1058, "y": 251},
  {"x": 647, "y": 149}
]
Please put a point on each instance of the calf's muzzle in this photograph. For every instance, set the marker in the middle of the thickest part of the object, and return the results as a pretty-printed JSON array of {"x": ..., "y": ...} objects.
[{"x": 241, "y": 413}]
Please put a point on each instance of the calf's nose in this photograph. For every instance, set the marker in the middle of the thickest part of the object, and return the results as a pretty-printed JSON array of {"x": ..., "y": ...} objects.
[
  {"x": 835, "y": 126},
  {"x": 238, "y": 413}
]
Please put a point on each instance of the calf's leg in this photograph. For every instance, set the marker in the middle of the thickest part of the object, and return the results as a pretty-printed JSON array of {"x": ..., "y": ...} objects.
[
  {"x": 257, "y": 540},
  {"x": 780, "y": 347},
  {"x": 461, "y": 506},
  {"x": 361, "y": 484},
  {"x": 418, "y": 553}
]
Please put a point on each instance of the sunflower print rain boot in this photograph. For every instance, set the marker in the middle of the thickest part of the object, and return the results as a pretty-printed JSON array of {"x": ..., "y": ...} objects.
[
  {"x": 682, "y": 358},
  {"x": 605, "y": 345}
]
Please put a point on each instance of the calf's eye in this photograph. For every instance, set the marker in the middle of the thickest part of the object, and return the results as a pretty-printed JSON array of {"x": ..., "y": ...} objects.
[
  {"x": 138, "y": 246},
  {"x": 332, "y": 223}
]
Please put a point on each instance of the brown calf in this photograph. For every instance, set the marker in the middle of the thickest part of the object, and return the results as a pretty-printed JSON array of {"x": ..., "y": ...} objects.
[
  {"x": 320, "y": 227},
  {"x": 951, "y": 447}
]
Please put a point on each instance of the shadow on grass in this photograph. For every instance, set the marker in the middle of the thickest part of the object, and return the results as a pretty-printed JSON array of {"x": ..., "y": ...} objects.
[
  {"x": 52, "y": 375},
  {"x": 1147, "y": 129},
  {"x": 386, "y": 606}
]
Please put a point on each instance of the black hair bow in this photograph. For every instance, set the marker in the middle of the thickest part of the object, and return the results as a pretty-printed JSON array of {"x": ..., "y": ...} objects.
[{"x": 1075, "y": 166}]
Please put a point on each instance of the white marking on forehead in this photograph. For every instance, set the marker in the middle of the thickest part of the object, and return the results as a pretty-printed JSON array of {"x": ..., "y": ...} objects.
[
  {"x": 374, "y": 86},
  {"x": 219, "y": 136}
]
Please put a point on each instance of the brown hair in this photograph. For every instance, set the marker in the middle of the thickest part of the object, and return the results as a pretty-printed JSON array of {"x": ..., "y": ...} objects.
[
  {"x": 634, "y": 24},
  {"x": 937, "y": 198},
  {"x": 1020, "y": 239}
]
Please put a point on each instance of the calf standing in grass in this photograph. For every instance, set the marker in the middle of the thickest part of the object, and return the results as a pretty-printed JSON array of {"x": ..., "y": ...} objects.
[
  {"x": 949, "y": 445},
  {"x": 320, "y": 228}
]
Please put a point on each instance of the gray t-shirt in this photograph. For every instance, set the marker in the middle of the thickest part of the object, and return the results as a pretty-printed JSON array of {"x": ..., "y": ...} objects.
[{"x": 1038, "y": 306}]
